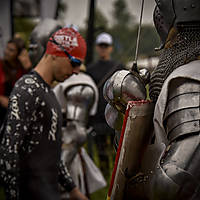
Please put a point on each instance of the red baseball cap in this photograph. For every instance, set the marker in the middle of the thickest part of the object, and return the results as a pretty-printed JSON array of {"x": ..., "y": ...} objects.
[{"x": 71, "y": 40}]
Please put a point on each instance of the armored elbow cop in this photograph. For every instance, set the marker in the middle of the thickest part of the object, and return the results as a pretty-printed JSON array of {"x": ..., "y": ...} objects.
[{"x": 123, "y": 86}]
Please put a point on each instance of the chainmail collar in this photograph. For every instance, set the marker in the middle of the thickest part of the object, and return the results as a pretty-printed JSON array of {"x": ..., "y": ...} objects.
[{"x": 184, "y": 49}]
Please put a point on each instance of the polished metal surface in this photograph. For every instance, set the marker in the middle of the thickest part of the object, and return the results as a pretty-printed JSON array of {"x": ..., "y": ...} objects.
[
  {"x": 182, "y": 115},
  {"x": 177, "y": 175},
  {"x": 79, "y": 102},
  {"x": 183, "y": 101},
  {"x": 183, "y": 86},
  {"x": 163, "y": 187},
  {"x": 113, "y": 117},
  {"x": 175, "y": 13},
  {"x": 145, "y": 75},
  {"x": 173, "y": 173},
  {"x": 74, "y": 136},
  {"x": 136, "y": 139},
  {"x": 80, "y": 99},
  {"x": 122, "y": 87}
]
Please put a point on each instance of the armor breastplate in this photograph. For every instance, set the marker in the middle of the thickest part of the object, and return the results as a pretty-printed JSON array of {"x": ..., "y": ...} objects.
[{"x": 79, "y": 100}]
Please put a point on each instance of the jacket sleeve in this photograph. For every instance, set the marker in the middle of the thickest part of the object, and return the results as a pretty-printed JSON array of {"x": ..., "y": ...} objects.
[
  {"x": 65, "y": 178},
  {"x": 16, "y": 126}
]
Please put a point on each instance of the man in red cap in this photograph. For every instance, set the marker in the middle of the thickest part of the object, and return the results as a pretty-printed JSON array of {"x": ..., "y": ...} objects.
[{"x": 31, "y": 139}]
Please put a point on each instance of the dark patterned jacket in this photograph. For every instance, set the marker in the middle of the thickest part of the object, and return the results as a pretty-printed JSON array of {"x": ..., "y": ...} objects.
[{"x": 31, "y": 144}]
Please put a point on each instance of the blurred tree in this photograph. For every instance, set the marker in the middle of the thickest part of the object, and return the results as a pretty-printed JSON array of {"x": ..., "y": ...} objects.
[
  {"x": 101, "y": 22},
  {"x": 149, "y": 41},
  {"x": 122, "y": 31},
  {"x": 121, "y": 15},
  {"x": 62, "y": 9},
  {"x": 23, "y": 26},
  {"x": 125, "y": 31},
  {"x": 100, "y": 25}
]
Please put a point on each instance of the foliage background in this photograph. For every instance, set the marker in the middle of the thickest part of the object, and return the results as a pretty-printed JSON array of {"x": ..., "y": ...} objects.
[{"x": 124, "y": 31}]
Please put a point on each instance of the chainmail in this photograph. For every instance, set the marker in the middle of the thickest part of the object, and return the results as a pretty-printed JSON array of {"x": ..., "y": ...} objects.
[{"x": 184, "y": 49}]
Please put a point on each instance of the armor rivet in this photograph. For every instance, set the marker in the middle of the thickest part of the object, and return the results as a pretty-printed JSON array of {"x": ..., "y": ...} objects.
[
  {"x": 193, "y": 6},
  {"x": 184, "y": 8},
  {"x": 151, "y": 172}
]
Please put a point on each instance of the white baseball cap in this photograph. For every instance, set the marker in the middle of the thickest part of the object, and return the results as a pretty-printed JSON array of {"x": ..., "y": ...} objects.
[{"x": 104, "y": 38}]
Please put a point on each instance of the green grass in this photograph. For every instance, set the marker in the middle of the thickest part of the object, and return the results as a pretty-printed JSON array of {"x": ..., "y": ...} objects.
[
  {"x": 102, "y": 193},
  {"x": 2, "y": 197}
]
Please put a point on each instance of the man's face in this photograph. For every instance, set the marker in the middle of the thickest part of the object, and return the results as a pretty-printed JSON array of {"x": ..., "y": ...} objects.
[
  {"x": 104, "y": 50},
  {"x": 11, "y": 52},
  {"x": 63, "y": 69}
]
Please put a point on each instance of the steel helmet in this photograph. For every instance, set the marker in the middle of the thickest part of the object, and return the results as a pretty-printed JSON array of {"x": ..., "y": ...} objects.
[{"x": 175, "y": 13}]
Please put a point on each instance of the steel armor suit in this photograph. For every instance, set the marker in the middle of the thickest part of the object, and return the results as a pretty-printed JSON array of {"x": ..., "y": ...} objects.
[
  {"x": 175, "y": 90},
  {"x": 78, "y": 97}
]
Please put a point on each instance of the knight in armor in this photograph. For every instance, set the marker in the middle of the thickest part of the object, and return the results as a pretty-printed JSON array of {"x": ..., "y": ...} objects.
[
  {"x": 174, "y": 87},
  {"x": 78, "y": 97}
]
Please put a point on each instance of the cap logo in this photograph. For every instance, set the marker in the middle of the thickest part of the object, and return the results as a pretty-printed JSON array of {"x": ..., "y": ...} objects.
[
  {"x": 69, "y": 42},
  {"x": 67, "y": 39}
]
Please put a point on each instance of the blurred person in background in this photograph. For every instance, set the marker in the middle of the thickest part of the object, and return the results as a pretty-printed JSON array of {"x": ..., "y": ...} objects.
[
  {"x": 13, "y": 65},
  {"x": 100, "y": 71}
]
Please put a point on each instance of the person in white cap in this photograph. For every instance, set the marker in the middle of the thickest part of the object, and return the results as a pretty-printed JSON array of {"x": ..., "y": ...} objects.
[
  {"x": 104, "y": 46},
  {"x": 102, "y": 69}
]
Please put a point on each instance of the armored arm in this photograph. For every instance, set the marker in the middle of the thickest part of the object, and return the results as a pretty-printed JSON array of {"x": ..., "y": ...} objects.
[
  {"x": 177, "y": 175},
  {"x": 121, "y": 87},
  {"x": 80, "y": 99}
]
